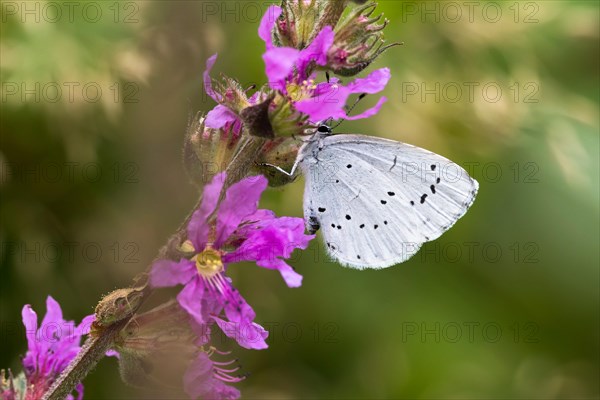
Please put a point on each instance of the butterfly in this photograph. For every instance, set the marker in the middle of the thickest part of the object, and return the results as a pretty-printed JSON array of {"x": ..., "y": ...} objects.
[{"x": 376, "y": 201}]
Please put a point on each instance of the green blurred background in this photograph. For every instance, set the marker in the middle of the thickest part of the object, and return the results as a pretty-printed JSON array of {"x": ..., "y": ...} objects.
[{"x": 504, "y": 305}]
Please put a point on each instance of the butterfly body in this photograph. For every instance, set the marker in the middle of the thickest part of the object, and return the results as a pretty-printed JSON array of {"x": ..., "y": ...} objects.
[{"x": 376, "y": 201}]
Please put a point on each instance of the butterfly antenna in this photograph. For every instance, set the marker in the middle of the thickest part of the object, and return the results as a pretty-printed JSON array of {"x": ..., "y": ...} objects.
[
  {"x": 349, "y": 109},
  {"x": 328, "y": 121},
  {"x": 358, "y": 99}
]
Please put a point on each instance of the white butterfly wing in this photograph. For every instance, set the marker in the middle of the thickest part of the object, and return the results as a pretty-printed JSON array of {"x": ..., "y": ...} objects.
[{"x": 377, "y": 201}]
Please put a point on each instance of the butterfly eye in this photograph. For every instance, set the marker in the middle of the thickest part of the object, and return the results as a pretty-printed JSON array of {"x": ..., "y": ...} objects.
[{"x": 323, "y": 129}]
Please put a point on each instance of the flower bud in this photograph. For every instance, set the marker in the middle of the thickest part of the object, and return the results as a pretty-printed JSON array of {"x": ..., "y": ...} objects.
[
  {"x": 302, "y": 20},
  {"x": 230, "y": 94},
  {"x": 207, "y": 151},
  {"x": 358, "y": 41},
  {"x": 116, "y": 306}
]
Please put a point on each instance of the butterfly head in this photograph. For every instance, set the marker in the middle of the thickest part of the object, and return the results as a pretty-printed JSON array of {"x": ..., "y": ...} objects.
[{"x": 324, "y": 130}]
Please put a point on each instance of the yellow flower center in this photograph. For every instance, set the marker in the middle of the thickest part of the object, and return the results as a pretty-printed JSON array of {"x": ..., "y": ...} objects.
[
  {"x": 209, "y": 263},
  {"x": 301, "y": 91}
]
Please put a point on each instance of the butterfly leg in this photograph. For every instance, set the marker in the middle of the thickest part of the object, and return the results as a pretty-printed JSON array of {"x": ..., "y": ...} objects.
[{"x": 283, "y": 171}]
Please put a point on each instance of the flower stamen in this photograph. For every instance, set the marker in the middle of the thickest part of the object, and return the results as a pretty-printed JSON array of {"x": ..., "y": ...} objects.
[{"x": 209, "y": 264}]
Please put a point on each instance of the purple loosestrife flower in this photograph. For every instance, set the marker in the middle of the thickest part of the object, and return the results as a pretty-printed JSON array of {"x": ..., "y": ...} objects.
[
  {"x": 241, "y": 233},
  {"x": 51, "y": 347},
  {"x": 290, "y": 71},
  {"x": 231, "y": 98}
]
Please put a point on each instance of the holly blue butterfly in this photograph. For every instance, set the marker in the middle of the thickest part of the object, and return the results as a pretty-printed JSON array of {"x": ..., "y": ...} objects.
[{"x": 376, "y": 200}]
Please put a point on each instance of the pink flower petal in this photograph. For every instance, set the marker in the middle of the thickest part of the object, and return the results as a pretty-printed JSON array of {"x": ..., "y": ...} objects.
[
  {"x": 51, "y": 346},
  {"x": 268, "y": 241},
  {"x": 241, "y": 200},
  {"x": 30, "y": 321},
  {"x": 247, "y": 335},
  {"x": 267, "y": 24},
  {"x": 112, "y": 353},
  {"x": 373, "y": 83},
  {"x": 318, "y": 48},
  {"x": 207, "y": 80},
  {"x": 279, "y": 63},
  {"x": 79, "y": 390},
  {"x": 220, "y": 116},
  {"x": 167, "y": 273},
  {"x": 198, "y": 226},
  {"x": 316, "y": 51},
  {"x": 86, "y": 323},
  {"x": 190, "y": 299},
  {"x": 261, "y": 215},
  {"x": 329, "y": 99},
  {"x": 53, "y": 312},
  {"x": 328, "y": 103},
  {"x": 291, "y": 277},
  {"x": 236, "y": 307}
]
